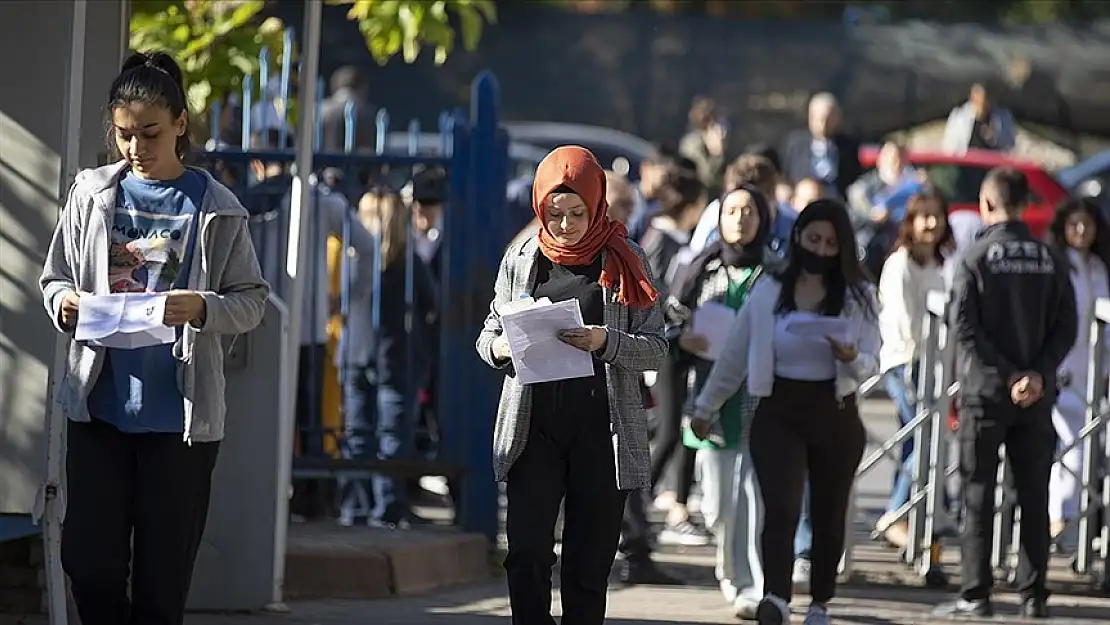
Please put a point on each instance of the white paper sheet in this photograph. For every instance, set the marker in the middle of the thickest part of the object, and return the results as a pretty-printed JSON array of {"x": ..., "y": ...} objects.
[
  {"x": 123, "y": 320},
  {"x": 713, "y": 321},
  {"x": 822, "y": 327},
  {"x": 538, "y": 354}
]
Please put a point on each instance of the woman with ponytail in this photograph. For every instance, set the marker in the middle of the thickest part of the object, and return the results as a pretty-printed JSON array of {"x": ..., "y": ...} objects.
[{"x": 145, "y": 424}]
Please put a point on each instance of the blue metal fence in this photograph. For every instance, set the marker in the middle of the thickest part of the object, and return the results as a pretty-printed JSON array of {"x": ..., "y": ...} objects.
[{"x": 473, "y": 149}]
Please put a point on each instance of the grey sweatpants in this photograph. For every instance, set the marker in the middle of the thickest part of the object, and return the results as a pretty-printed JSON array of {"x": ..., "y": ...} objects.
[{"x": 733, "y": 509}]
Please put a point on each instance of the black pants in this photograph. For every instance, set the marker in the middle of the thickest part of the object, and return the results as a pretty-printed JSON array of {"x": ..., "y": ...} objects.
[
  {"x": 1030, "y": 443},
  {"x": 803, "y": 429},
  {"x": 670, "y": 395},
  {"x": 568, "y": 454},
  {"x": 635, "y": 528},
  {"x": 311, "y": 498},
  {"x": 136, "y": 506}
]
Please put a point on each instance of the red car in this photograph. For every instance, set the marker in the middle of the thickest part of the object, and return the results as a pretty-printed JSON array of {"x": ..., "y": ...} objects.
[{"x": 958, "y": 178}]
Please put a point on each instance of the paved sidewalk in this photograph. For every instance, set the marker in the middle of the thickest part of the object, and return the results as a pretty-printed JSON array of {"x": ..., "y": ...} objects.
[{"x": 882, "y": 591}]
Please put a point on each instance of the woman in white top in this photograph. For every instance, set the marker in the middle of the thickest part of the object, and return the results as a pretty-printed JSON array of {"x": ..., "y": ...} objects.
[
  {"x": 912, "y": 270},
  {"x": 804, "y": 341},
  {"x": 1079, "y": 232}
]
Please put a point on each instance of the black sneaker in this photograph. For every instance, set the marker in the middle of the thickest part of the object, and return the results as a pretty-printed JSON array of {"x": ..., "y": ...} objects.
[
  {"x": 646, "y": 573},
  {"x": 1034, "y": 607},
  {"x": 963, "y": 608}
]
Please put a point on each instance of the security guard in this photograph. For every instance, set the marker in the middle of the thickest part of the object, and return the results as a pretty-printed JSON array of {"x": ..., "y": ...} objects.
[{"x": 1015, "y": 320}]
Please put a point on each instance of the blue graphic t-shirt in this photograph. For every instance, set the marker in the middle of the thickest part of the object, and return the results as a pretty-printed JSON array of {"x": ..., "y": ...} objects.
[{"x": 151, "y": 247}]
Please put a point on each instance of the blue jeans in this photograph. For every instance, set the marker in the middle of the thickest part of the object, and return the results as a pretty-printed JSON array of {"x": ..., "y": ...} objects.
[
  {"x": 900, "y": 391},
  {"x": 803, "y": 537},
  {"x": 379, "y": 421}
]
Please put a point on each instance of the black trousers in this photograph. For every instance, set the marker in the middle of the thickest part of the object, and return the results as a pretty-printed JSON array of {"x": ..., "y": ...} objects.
[
  {"x": 136, "y": 507},
  {"x": 803, "y": 430},
  {"x": 1030, "y": 443},
  {"x": 636, "y": 529},
  {"x": 311, "y": 498},
  {"x": 569, "y": 454},
  {"x": 670, "y": 394}
]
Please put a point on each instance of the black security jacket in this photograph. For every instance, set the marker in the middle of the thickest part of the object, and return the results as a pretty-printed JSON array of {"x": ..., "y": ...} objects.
[{"x": 1014, "y": 311}]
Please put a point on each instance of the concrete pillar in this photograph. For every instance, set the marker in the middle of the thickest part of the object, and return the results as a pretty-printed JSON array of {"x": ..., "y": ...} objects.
[{"x": 35, "y": 40}]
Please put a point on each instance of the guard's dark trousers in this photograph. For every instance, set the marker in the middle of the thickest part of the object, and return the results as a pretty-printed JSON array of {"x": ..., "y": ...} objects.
[
  {"x": 136, "y": 507},
  {"x": 1030, "y": 443},
  {"x": 568, "y": 453}
]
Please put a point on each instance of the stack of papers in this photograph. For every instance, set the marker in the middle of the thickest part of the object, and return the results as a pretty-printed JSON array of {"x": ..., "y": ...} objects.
[
  {"x": 713, "y": 320},
  {"x": 123, "y": 320},
  {"x": 532, "y": 329},
  {"x": 820, "y": 327}
]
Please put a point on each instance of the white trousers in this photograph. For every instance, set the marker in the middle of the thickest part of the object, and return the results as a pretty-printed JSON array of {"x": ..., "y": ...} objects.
[
  {"x": 1064, "y": 487},
  {"x": 733, "y": 510}
]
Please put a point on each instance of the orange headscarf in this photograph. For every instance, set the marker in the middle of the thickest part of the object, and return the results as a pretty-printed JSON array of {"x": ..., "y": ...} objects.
[{"x": 576, "y": 168}]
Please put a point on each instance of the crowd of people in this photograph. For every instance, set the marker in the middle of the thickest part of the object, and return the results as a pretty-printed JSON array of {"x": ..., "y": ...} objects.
[
  {"x": 762, "y": 419},
  {"x": 766, "y": 423}
]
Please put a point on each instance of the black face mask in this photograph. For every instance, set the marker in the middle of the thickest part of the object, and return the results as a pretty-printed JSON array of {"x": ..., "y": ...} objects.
[{"x": 813, "y": 263}]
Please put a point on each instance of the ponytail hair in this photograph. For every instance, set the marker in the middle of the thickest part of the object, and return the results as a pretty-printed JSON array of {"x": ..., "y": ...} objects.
[{"x": 151, "y": 78}]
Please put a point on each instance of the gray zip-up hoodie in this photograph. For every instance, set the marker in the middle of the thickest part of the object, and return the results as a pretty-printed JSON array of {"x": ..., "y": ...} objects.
[{"x": 224, "y": 271}]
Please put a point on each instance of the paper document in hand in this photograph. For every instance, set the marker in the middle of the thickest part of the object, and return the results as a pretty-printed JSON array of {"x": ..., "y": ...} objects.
[
  {"x": 123, "y": 320},
  {"x": 822, "y": 327},
  {"x": 538, "y": 354},
  {"x": 713, "y": 321}
]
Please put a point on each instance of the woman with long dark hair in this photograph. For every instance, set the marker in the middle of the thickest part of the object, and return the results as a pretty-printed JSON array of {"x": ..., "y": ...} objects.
[
  {"x": 913, "y": 269},
  {"x": 804, "y": 341},
  {"x": 1079, "y": 232},
  {"x": 145, "y": 424}
]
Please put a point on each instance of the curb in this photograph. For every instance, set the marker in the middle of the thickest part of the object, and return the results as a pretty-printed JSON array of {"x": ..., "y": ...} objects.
[{"x": 367, "y": 571}]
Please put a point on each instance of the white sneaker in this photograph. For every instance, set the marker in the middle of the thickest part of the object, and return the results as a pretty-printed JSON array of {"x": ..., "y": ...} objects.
[
  {"x": 772, "y": 610},
  {"x": 664, "y": 501},
  {"x": 686, "y": 533},
  {"x": 746, "y": 608},
  {"x": 728, "y": 590},
  {"x": 801, "y": 576},
  {"x": 817, "y": 615}
]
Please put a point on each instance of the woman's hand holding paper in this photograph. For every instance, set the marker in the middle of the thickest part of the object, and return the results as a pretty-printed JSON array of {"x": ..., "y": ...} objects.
[{"x": 587, "y": 339}]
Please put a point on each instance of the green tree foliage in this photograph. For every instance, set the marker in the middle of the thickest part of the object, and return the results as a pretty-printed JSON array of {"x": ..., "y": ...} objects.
[{"x": 218, "y": 42}]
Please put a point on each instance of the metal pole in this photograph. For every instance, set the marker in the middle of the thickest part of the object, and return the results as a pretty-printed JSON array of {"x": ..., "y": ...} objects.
[
  {"x": 51, "y": 493},
  {"x": 1087, "y": 501},
  {"x": 934, "y": 478},
  {"x": 926, "y": 380},
  {"x": 297, "y": 249}
]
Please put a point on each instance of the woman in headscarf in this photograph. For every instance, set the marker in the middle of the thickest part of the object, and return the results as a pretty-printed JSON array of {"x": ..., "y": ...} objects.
[
  {"x": 724, "y": 274},
  {"x": 598, "y": 421}
]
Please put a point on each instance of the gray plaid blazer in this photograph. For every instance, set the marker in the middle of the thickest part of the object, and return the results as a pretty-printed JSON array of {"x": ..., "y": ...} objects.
[{"x": 636, "y": 344}]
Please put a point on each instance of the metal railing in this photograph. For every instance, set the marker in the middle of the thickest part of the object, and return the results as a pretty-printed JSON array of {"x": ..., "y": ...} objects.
[
  {"x": 928, "y": 517},
  {"x": 472, "y": 152}
]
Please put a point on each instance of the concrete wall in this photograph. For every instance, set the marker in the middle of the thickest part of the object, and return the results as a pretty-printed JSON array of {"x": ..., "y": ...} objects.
[{"x": 35, "y": 40}]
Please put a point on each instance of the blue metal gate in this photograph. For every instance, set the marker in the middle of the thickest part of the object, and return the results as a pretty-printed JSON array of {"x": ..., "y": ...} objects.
[{"x": 472, "y": 148}]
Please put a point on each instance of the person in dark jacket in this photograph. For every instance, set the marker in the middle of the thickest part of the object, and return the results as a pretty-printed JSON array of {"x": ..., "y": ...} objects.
[
  {"x": 822, "y": 151},
  {"x": 1015, "y": 321}
]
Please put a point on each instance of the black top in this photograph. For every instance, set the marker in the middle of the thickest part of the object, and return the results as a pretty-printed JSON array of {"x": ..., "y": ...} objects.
[
  {"x": 560, "y": 283},
  {"x": 1014, "y": 311},
  {"x": 982, "y": 136}
]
